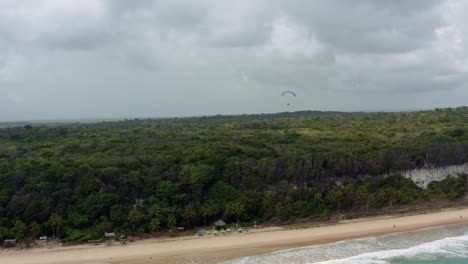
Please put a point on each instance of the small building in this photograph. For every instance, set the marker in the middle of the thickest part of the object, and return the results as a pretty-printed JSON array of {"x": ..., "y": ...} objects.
[
  {"x": 9, "y": 243},
  {"x": 109, "y": 235},
  {"x": 220, "y": 224}
]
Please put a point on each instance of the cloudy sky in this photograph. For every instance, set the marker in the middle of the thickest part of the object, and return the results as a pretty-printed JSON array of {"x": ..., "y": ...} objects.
[{"x": 120, "y": 58}]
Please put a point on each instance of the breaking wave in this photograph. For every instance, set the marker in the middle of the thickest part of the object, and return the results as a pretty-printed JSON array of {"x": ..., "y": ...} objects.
[{"x": 415, "y": 247}]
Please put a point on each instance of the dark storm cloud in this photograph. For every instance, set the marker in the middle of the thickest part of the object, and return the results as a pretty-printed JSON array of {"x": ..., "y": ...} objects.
[{"x": 113, "y": 58}]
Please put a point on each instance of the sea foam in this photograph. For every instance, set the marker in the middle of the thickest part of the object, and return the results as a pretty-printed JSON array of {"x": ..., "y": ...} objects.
[
  {"x": 449, "y": 242},
  {"x": 452, "y": 247}
]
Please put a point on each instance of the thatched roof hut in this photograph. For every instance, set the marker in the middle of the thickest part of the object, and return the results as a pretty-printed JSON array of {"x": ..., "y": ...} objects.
[{"x": 220, "y": 224}]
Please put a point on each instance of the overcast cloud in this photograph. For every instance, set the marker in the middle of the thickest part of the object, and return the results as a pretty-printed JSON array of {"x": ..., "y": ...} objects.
[{"x": 119, "y": 58}]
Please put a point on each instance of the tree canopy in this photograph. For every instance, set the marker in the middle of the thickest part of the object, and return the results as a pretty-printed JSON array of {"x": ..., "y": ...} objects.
[{"x": 77, "y": 181}]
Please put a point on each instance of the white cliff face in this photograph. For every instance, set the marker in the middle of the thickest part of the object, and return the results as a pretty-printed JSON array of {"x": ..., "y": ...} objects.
[{"x": 422, "y": 177}]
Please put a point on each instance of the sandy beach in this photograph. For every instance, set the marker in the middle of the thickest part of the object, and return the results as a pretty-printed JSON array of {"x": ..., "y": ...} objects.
[{"x": 220, "y": 248}]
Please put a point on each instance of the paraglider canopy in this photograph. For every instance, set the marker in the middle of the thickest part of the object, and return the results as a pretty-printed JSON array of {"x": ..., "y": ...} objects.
[{"x": 288, "y": 93}]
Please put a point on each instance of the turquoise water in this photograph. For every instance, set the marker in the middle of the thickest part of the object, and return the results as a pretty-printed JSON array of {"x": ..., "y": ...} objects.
[{"x": 442, "y": 246}]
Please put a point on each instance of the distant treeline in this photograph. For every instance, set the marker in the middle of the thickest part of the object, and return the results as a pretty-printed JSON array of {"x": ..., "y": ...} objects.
[{"x": 77, "y": 181}]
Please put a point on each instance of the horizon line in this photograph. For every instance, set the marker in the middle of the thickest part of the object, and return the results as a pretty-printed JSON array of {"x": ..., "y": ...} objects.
[{"x": 103, "y": 119}]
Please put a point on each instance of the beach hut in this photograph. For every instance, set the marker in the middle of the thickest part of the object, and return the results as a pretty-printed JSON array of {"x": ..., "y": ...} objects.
[
  {"x": 9, "y": 243},
  {"x": 220, "y": 224},
  {"x": 109, "y": 235}
]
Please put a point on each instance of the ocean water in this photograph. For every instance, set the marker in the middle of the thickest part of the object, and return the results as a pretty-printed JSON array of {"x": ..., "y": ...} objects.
[{"x": 447, "y": 245}]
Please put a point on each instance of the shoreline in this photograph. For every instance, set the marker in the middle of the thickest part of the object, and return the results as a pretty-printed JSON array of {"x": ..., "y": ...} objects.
[{"x": 221, "y": 248}]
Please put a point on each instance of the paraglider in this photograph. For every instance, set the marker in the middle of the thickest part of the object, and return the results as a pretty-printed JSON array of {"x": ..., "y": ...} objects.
[{"x": 288, "y": 93}]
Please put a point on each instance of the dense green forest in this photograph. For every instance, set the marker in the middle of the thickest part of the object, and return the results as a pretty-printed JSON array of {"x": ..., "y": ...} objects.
[{"x": 76, "y": 181}]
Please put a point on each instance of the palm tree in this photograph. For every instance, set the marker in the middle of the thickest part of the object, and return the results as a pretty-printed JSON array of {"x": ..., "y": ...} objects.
[
  {"x": 56, "y": 222},
  {"x": 238, "y": 209},
  {"x": 206, "y": 211},
  {"x": 188, "y": 213},
  {"x": 229, "y": 211},
  {"x": 19, "y": 229},
  {"x": 269, "y": 203},
  {"x": 35, "y": 230},
  {"x": 155, "y": 225},
  {"x": 155, "y": 211},
  {"x": 171, "y": 222},
  {"x": 133, "y": 218}
]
